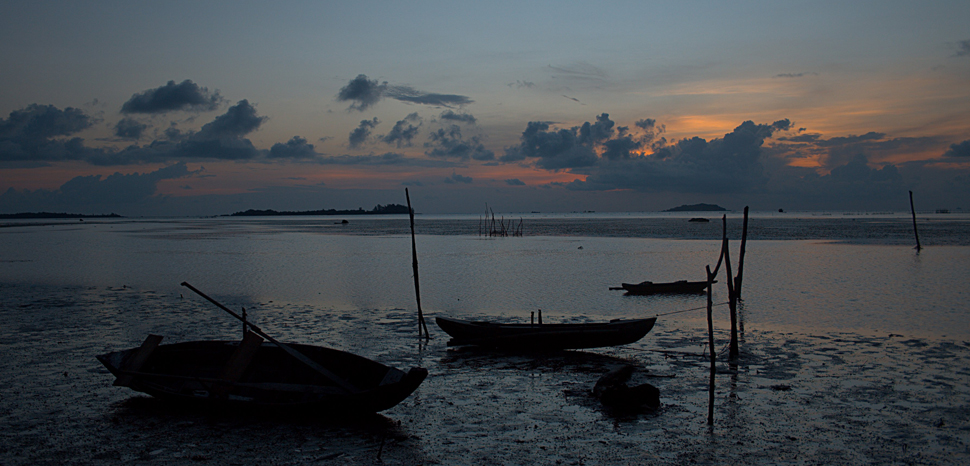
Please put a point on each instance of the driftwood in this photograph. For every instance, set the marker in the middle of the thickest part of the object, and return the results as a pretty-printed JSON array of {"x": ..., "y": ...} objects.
[{"x": 613, "y": 391}]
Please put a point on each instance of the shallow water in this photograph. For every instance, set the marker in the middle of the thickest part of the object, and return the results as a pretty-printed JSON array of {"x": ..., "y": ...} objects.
[{"x": 851, "y": 353}]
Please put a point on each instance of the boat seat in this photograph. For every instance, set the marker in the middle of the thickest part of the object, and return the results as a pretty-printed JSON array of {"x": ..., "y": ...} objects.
[
  {"x": 240, "y": 359},
  {"x": 137, "y": 359}
]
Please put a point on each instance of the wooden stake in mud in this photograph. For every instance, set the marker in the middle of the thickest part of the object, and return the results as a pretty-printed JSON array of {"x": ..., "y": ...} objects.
[
  {"x": 744, "y": 242},
  {"x": 414, "y": 264},
  {"x": 710, "y": 324},
  {"x": 732, "y": 302},
  {"x": 710, "y": 338},
  {"x": 913, "y": 209}
]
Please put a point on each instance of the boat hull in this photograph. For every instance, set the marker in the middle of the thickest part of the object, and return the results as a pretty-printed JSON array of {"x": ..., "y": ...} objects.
[
  {"x": 681, "y": 287},
  {"x": 194, "y": 372},
  {"x": 544, "y": 336}
]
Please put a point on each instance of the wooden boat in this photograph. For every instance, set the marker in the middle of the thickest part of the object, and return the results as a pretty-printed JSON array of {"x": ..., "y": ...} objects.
[
  {"x": 678, "y": 287},
  {"x": 544, "y": 336},
  {"x": 262, "y": 374}
]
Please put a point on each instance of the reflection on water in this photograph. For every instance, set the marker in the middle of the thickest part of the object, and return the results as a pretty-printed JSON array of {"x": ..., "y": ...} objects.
[{"x": 808, "y": 284}]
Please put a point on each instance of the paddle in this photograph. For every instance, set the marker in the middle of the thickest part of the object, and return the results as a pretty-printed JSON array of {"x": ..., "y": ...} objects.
[{"x": 289, "y": 350}]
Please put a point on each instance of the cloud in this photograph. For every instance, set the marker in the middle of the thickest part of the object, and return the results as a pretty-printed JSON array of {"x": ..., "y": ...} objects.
[
  {"x": 964, "y": 48},
  {"x": 28, "y": 134},
  {"x": 448, "y": 143},
  {"x": 958, "y": 150},
  {"x": 40, "y": 134},
  {"x": 187, "y": 96},
  {"x": 694, "y": 165},
  {"x": 359, "y": 135},
  {"x": 363, "y": 93},
  {"x": 296, "y": 148},
  {"x": 403, "y": 131},
  {"x": 409, "y": 94},
  {"x": 456, "y": 178},
  {"x": 93, "y": 194},
  {"x": 389, "y": 158},
  {"x": 458, "y": 117},
  {"x": 567, "y": 148},
  {"x": 222, "y": 139},
  {"x": 794, "y": 75},
  {"x": 838, "y": 151},
  {"x": 239, "y": 120},
  {"x": 579, "y": 71},
  {"x": 129, "y": 128},
  {"x": 520, "y": 84},
  {"x": 514, "y": 182}
]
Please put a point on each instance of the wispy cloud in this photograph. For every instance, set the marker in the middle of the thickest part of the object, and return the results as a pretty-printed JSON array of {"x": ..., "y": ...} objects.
[{"x": 363, "y": 93}]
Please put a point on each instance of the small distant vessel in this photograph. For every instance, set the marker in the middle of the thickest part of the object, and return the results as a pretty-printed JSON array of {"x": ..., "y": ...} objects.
[
  {"x": 699, "y": 220},
  {"x": 544, "y": 336},
  {"x": 648, "y": 288}
]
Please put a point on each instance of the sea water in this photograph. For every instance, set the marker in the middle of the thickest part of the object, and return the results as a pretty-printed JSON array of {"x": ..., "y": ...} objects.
[
  {"x": 854, "y": 346},
  {"x": 824, "y": 271}
]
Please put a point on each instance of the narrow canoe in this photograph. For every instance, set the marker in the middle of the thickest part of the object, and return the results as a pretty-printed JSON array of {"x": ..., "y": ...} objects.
[
  {"x": 545, "y": 336},
  {"x": 679, "y": 287}
]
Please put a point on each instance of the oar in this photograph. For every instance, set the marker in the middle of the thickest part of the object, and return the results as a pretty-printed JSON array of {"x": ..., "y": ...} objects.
[{"x": 291, "y": 351}]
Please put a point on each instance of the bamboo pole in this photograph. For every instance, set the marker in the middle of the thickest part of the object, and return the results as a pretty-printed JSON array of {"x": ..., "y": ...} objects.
[
  {"x": 710, "y": 339},
  {"x": 732, "y": 302},
  {"x": 414, "y": 264},
  {"x": 912, "y": 208},
  {"x": 744, "y": 242}
]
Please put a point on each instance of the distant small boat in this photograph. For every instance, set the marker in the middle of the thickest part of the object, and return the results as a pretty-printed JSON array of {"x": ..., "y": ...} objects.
[
  {"x": 544, "y": 336},
  {"x": 678, "y": 287},
  {"x": 699, "y": 220},
  {"x": 260, "y": 374}
]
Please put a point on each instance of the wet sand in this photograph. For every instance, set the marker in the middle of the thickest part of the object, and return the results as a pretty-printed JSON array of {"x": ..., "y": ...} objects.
[{"x": 792, "y": 398}]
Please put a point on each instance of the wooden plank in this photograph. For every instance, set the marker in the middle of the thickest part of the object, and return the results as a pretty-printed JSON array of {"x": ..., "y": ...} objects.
[
  {"x": 241, "y": 358},
  {"x": 138, "y": 359}
]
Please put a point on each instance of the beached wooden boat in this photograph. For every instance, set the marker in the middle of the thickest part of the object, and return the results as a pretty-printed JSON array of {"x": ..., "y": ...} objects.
[
  {"x": 255, "y": 373},
  {"x": 544, "y": 336},
  {"x": 679, "y": 287}
]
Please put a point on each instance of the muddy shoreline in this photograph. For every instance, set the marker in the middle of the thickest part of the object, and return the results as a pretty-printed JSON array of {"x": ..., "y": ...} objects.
[{"x": 792, "y": 398}]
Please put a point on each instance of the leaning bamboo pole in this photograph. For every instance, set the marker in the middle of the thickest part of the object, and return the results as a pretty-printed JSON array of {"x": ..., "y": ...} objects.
[
  {"x": 912, "y": 208},
  {"x": 414, "y": 264}
]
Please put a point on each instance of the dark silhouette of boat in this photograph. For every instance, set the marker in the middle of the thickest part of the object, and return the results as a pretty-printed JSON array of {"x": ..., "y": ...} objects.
[
  {"x": 544, "y": 336},
  {"x": 678, "y": 287},
  {"x": 255, "y": 373}
]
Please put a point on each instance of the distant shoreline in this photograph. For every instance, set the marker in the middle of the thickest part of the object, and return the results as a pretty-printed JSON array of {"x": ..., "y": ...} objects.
[
  {"x": 377, "y": 210},
  {"x": 42, "y": 215},
  {"x": 697, "y": 208}
]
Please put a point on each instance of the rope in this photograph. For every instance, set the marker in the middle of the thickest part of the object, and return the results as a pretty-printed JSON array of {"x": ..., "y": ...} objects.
[{"x": 688, "y": 310}]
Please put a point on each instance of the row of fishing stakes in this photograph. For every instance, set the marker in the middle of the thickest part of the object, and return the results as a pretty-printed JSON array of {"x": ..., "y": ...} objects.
[{"x": 734, "y": 295}]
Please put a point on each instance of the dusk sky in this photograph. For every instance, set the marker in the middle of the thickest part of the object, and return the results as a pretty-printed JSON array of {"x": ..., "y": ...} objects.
[{"x": 204, "y": 108}]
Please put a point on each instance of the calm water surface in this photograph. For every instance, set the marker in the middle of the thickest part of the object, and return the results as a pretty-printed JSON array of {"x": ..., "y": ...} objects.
[{"x": 810, "y": 272}]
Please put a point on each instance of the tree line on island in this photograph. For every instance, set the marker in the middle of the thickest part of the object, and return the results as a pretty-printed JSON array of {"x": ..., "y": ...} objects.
[{"x": 377, "y": 210}]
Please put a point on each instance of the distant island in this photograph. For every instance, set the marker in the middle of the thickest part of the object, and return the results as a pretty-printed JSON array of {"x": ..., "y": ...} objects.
[
  {"x": 29, "y": 215},
  {"x": 379, "y": 209},
  {"x": 698, "y": 208}
]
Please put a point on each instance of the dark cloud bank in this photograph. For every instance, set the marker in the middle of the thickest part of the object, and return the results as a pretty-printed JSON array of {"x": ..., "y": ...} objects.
[
  {"x": 740, "y": 167},
  {"x": 751, "y": 164}
]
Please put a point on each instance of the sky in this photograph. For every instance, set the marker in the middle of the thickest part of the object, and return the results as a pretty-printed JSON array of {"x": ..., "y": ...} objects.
[{"x": 207, "y": 108}]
